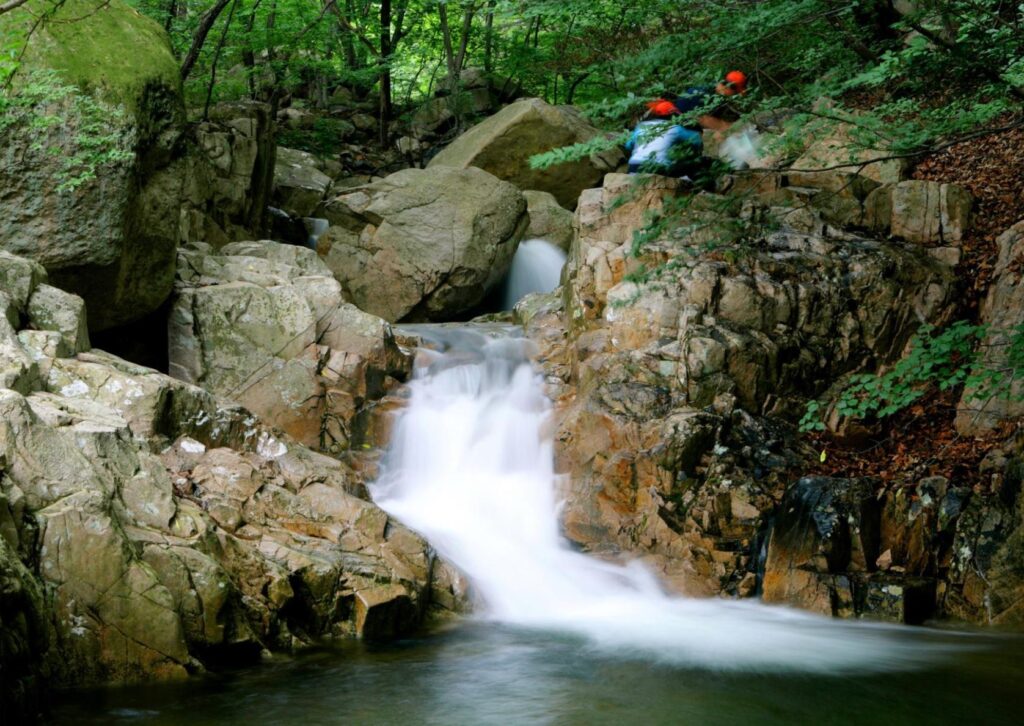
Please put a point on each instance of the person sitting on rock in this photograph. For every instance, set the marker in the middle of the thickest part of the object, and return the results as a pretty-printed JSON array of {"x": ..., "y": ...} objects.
[
  {"x": 659, "y": 145},
  {"x": 712, "y": 103}
]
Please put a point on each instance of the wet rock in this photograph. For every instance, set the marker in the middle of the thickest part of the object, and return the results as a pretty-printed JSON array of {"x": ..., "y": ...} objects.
[
  {"x": 824, "y": 526},
  {"x": 986, "y": 567}
]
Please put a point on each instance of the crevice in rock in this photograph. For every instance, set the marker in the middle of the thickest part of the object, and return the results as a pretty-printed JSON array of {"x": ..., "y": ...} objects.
[{"x": 143, "y": 342}]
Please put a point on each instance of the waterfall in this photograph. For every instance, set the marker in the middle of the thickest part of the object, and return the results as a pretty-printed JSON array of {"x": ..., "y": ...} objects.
[
  {"x": 315, "y": 226},
  {"x": 536, "y": 267},
  {"x": 471, "y": 468}
]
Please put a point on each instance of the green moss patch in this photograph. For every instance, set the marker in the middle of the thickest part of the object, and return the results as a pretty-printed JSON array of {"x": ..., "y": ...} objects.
[{"x": 105, "y": 47}]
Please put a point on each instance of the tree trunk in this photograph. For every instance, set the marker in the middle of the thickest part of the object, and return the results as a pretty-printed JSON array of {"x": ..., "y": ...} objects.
[
  {"x": 205, "y": 25},
  {"x": 216, "y": 59},
  {"x": 489, "y": 39},
  {"x": 385, "y": 75}
]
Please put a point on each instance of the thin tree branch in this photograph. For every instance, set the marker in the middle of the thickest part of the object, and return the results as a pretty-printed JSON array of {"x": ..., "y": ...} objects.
[{"x": 11, "y": 5}]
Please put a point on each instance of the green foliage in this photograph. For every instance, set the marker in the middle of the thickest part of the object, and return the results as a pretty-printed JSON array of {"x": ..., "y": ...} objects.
[
  {"x": 575, "y": 152},
  {"x": 324, "y": 139},
  {"x": 811, "y": 420},
  {"x": 944, "y": 359},
  {"x": 45, "y": 107}
]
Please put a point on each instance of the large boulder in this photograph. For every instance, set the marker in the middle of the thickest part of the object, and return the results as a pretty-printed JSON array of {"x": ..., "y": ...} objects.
[
  {"x": 504, "y": 143},
  {"x": 299, "y": 186},
  {"x": 228, "y": 174},
  {"x": 110, "y": 237},
  {"x": 423, "y": 244},
  {"x": 265, "y": 324}
]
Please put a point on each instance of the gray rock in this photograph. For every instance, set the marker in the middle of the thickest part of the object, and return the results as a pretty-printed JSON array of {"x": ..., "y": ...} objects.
[
  {"x": 548, "y": 219},
  {"x": 504, "y": 143},
  {"x": 299, "y": 185},
  {"x": 423, "y": 244},
  {"x": 265, "y": 324}
]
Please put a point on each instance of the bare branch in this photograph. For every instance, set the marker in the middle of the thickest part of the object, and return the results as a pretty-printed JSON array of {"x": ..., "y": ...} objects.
[{"x": 11, "y": 5}]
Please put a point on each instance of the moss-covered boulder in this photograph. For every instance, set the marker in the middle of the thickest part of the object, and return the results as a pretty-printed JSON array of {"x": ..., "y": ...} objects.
[{"x": 95, "y": 195}]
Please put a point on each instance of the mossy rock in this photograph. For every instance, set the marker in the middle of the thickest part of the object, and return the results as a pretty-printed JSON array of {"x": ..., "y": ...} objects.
[
  {"x": 106, "y": 229},
  {"x": 105, "y": 47}
]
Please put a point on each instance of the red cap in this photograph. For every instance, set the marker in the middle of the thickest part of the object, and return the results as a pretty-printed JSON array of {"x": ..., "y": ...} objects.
[
  {"x": 661, "y": 107},
  {"x": 737, "y": 79}
]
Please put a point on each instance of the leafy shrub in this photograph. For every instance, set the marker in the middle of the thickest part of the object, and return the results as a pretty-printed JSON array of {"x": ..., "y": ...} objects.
[
  {"x": 946, "y": 359},
  {"x": 44, "y": 106}
]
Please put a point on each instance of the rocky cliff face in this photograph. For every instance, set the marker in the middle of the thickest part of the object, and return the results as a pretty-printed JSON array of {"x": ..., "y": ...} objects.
[
  {"x": 148, "y": 528},
  {"x": 680, "y": 364}
]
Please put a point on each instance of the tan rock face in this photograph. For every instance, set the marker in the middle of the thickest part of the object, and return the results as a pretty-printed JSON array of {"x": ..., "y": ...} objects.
[
  {"x": 835, "y": 177},
  {"x": 1003, "y": 310},
  {"x": 423, "y": 244},
  {"x": 504, "y": 143},
  {"x": 164, "y": 527},
  {"x": 664, "y": 380},
  {"x": 265, "y": 324}
]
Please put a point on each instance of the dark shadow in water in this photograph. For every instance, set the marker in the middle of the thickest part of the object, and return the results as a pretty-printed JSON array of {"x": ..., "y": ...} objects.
[{"x": 478, "y": 673}]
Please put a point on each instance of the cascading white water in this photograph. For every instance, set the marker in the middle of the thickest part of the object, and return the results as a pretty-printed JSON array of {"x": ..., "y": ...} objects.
[
  {"x": 471, "y": 468},
  {"x": 315, "y": 226},
  {"x": 536, "y": 267}
]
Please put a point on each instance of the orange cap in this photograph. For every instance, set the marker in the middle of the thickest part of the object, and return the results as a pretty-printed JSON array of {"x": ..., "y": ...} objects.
[
  {"x": 661, "y": 107},
  {"x": 737, "y": 80}
]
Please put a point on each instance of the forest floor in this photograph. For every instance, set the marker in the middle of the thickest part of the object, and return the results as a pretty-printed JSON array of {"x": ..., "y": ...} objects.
[{"x": 922, "y": 439}]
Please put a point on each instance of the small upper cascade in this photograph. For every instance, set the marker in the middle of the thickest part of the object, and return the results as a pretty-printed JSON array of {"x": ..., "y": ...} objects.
[{"x": 536, "y": 267}]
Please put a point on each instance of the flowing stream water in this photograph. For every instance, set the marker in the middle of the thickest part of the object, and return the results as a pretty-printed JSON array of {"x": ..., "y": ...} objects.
[
  {"x": 471, "y": 468},
  {"x": 560, "y": 637}
]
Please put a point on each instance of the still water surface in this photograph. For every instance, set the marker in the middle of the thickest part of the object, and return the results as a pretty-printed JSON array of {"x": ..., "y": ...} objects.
[{"x": 480, "y": 673}]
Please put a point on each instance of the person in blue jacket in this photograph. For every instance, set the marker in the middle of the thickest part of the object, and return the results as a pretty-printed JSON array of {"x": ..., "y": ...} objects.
[{"x": 659, "y": 145}]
